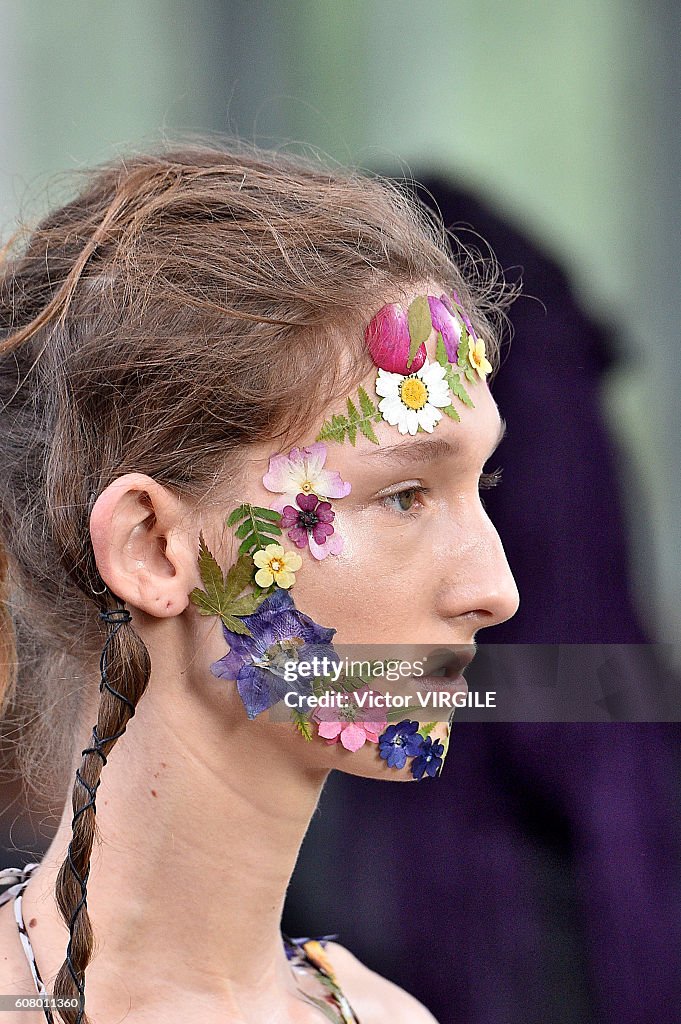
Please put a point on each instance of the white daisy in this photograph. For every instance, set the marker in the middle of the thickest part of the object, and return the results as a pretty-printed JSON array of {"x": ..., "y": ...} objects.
[{"x": 415, "y": 400}]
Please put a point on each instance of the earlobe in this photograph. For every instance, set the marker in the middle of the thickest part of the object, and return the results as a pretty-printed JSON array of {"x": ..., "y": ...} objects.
[{"x": 142, "y": 553}]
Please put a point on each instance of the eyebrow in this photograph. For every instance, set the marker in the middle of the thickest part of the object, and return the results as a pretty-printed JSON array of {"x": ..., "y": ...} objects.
[{"x": 428, "y": 449}]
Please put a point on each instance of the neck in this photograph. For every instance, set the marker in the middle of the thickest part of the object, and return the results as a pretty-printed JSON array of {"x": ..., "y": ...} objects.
[{"x": 201, "y": 825}]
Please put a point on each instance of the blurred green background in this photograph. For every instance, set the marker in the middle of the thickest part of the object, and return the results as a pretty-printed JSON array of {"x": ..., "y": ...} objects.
[{"x": 563, "y": 116}]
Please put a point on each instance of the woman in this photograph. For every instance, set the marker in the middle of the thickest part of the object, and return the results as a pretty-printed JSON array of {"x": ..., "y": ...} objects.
[{"x": 245, "y": 418}]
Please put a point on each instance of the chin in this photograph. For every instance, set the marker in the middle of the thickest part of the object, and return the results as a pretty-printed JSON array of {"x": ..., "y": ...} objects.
[{"x": 368, "y": 764}]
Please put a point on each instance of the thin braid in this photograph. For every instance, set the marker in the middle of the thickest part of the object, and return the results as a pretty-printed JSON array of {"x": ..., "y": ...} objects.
[{"x": 125, "y": 668}]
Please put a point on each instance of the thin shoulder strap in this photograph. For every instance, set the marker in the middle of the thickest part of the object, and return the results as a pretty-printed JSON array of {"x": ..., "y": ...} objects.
[{"x": 21, "y": 877}]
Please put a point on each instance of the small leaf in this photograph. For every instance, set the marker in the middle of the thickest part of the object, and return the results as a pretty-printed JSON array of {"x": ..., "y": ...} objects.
[
  {"x": 420, "y": 325},
  {"x": 365, "y": 403},
  {"x": 236, "y": 625},
  {"x": 301, "y": 723},
  {"x": 267, "y": 513},
  {"x": 235, "y": 515},
  {"x": 244, "y": 529},
  {"x": 450, "y": 411},
  {"x": 248, "y": 604},
  {"x": 459, "y": 390},
  {"x": 441, "y": 352},
  {"x": 209, "y": 570},
  {"x": 238, "y": 577},
  {"x": 368, "y": 431},
  {"x": 426, "y": 729}
]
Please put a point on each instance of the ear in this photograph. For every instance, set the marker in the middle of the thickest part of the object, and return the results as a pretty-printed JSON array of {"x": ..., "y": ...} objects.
[{"x": 143, "y": 551}]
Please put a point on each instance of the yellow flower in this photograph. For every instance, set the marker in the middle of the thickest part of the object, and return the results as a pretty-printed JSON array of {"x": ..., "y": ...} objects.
[
  {"x": 477, "y": 358},
  {"x": 276, "y": 566}
]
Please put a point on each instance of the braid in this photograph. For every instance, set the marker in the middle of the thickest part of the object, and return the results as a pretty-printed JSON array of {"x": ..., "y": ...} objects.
[{"x": 125, "y": 668}]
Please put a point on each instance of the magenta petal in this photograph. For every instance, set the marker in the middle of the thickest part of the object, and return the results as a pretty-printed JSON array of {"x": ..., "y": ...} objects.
[
  {"x": 463, "y": 316},
  {"x": 307, "y": 502},
  {"x": 446, "y": 324},
  {"x": 387, "y": 338},
  {"x": 324, "y": 512},
  {"x": 320, "y": 531},
  {"x": 299, "y": 536},
  {"x": 289, "y": 516}
]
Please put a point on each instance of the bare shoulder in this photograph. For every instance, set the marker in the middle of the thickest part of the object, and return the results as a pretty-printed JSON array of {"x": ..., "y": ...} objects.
[{"x": 371, "y": 995}]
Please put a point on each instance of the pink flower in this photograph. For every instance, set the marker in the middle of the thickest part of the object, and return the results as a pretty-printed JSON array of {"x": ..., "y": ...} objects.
[
  {"x": 302, "y": 471},
  {"x": 310, "y": 524},
  {"x": 458, "y": 311},
  {"x": 446, "y": 323},
  {"x": 353, "y": 733},
  {"x": 388, "y": 340}
]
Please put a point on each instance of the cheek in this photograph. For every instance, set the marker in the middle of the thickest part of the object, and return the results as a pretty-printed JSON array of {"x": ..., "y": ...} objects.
[{"x": 377, "y": 587}]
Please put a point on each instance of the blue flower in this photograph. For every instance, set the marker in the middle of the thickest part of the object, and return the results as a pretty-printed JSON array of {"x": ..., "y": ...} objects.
[
  {"x": 280, "y": 634},
  {"x": 399, "y": 742},
  {"x": 429, "y": 759}
]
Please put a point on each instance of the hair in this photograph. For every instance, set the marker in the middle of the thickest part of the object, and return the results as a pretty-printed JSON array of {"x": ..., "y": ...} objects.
[{"x": 184, "y": 304}]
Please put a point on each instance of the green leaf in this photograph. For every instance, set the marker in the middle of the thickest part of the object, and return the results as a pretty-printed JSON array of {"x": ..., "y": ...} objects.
[
  {"x": 209, "y": 570},
  {"x": 238, "y": 577},
  {"x": 450, "y": 411},
  {"x": 267, "y": 513},
  {"x": 236, "y": 625},
  {"x": 462, "y": 348},
  {"x": 301, "y": 723},
  {"x": 258, "y": 529},
  {"x": 426, "y": 729},
  {"x": 459, "y": 390},
  {"x": 339, "y": 426},
  {"x": 248, "y": 604},
  {"x": 441, "y": 352},
  {"x": 236, "y": 514},
  {"x": 420, "y": 325}
]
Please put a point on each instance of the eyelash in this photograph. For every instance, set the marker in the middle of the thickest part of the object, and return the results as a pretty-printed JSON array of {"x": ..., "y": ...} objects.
[{"x": 486, "y": 480}]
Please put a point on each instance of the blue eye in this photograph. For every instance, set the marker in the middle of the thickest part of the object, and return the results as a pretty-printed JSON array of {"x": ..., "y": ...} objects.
[{"x": 402, "y": 501}]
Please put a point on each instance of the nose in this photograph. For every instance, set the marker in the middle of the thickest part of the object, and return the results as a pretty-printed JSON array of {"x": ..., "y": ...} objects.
[{"x": 479, "y": 589}]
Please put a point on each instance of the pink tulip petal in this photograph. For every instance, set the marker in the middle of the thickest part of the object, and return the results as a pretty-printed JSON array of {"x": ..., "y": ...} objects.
[{"x": 387, "y": 338}]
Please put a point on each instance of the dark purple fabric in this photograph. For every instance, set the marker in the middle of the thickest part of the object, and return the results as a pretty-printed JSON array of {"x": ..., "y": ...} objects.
[{"x": 538, "y": 879}]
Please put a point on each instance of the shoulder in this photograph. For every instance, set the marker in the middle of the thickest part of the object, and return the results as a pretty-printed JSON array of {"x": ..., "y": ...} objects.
[{"x": 371, "y": 995}]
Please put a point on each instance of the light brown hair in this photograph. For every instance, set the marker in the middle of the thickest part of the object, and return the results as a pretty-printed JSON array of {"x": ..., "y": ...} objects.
[{"x": 184, "y": 304}]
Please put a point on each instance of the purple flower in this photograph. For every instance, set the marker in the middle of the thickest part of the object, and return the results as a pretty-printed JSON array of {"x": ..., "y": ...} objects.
[
  {"x": 429, "y": 760},
  {"x": 444, "y": 321},
  {"x": 280, "y": 634},
  {"x": 399, "y": 742},
  {"x": 310, "y": 524}
]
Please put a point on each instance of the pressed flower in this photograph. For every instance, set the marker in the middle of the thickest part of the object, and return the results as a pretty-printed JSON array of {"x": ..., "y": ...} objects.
[
  {"x": 453, "y": 304},
  {"x": 345, "y": 724},
  {"x": 302, "y": 471},
  {"x": 276, "y": 566},
  {"x": 477, "y": 358},
  {"x": 309, "y": 524},
  {"x": 429, "y": 759},
  {"x": 388, "y": 340},
  {"x": 415, "y": 400},
  {"x": 445, "y": 321},
  {"x": 280, "y": 634},
  {"x": 399, "y": 742}
]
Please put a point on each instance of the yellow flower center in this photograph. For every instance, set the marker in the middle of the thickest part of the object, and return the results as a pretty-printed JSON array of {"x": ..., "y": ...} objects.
[
  {"x": 276, "y": 565},
  {"x": 306, "y": 487},
  {"x": 413, "y": 393}
]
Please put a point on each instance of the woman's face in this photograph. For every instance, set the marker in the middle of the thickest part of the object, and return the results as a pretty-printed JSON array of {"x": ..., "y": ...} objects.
[{"x": 421, "y": 564}]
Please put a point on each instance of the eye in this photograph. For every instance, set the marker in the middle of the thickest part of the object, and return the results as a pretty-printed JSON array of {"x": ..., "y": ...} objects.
[{"x": 403, "y": 501}]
